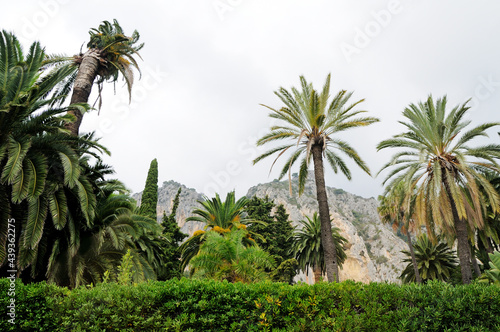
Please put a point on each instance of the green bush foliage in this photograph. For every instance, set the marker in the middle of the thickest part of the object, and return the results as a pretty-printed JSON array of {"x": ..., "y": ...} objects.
[{"x": 207, "y": 305}]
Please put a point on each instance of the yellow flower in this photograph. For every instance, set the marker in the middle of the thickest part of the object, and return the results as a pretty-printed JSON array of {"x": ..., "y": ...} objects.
[{"x": 198, "y": 232}]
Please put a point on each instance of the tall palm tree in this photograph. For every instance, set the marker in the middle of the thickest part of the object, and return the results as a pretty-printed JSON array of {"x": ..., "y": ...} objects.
[
  {"x": 444, "y": 171},
  {"x": 226, "y": 258},
  {"x": 308, "y": 249},
  {"x": 434, "y": 261},
  {"x": 220, "y": 217},
  {"x": 309, "y": 124},
  {"x": 393, "y": 210},
  {"x": 110, "y": 54}
]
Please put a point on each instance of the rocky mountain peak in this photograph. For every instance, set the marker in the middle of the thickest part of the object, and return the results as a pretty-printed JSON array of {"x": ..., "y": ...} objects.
[{"x": 373, "y": 251}]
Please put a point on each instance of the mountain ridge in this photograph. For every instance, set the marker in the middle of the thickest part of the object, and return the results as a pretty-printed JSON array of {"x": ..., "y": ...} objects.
[{"x": 373, "y": 250}]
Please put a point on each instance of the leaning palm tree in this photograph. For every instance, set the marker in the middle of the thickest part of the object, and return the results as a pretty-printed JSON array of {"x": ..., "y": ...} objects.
[
  {"x": 110, "y": 54},
  {"x": 433, "y": 261},
  {"x": 309, "y": 124},
  {"x": 444, "y": 171},
  {"x": 308, "y": 249},
  {"x": 394, "y": 211}
]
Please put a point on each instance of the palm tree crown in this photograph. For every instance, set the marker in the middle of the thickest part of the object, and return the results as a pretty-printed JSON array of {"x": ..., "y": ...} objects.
[
  {"x": 309, "y": 120},
  {"x": 434, "y": 261},
  {"x": 110, "y": 54}
]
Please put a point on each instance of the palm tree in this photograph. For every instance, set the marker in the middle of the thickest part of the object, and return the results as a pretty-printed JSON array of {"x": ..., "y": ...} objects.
[
  {"x": 393, "y": 211},
  {"x": 226, "y": 258},
  {"x": 309, "y": 123},
  {"x": 308, "y": 249},
  {"x": 115, "y": 229},
  {"x": 434, "y": 261},
  {"x": 110, "y": 53},
  {"x": 220, "y": 217},
  {"x": 444, "y": 172},
  {"x": 41, "y": 165}
]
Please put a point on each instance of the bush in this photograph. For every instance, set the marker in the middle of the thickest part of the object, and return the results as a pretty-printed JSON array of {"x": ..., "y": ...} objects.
[{"x": 194, "y": 305}]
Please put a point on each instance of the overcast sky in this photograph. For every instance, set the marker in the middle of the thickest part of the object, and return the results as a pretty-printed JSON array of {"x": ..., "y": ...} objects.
[{"x": 207, "y": 65}]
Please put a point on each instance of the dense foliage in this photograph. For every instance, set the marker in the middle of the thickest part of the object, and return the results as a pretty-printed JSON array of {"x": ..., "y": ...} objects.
[
  {"x": 170, "y": 242},
  {"x": 149, "y": 198},
  {"x": 275, "y": 234},
  {"x": 192, "y": 305}
]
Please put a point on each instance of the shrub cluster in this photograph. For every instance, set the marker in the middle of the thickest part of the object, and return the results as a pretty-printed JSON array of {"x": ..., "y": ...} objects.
[{"x": 194, "y": 305}]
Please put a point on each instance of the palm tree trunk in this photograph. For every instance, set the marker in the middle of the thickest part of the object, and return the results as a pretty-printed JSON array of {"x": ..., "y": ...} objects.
[
  {"x": 489, "y": 249},
  {"x": 87, "y": 72},
  {"x": 473, "y": 259},
  {"x": 317, "y": 274},
  {"x": 413, "y": 259},
  {"x": 463, "y": 248},
  {"x": 330, "y": 253}
]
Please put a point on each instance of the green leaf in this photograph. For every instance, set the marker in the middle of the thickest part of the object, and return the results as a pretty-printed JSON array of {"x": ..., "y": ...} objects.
[
  {"x": 37, "y": 212},
  {"x": 17, "y": 150}
]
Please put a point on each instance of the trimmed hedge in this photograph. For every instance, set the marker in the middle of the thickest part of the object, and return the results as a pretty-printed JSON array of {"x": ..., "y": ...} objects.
[{"x": 191, "y": 305}]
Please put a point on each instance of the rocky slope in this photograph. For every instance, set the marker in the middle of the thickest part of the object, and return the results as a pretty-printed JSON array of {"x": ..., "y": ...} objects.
[{"x": 374, "y": 251}]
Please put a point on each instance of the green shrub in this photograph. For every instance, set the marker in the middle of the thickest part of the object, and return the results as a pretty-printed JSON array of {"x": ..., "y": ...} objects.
[{"x": 204, "y": 305}]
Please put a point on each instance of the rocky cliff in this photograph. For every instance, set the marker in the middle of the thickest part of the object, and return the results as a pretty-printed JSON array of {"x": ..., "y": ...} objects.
[{"x": 373, "y": 251}]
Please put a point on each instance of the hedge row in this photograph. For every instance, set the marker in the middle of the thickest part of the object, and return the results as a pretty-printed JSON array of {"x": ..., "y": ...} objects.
[{"x": 191, "y": 305}]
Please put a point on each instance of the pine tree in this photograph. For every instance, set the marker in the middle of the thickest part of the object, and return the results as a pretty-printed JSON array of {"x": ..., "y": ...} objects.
[
  {"x": 172, "y": 237},
  {"x": 276, "y": 233},
  {"x": 149, "y": 198}
]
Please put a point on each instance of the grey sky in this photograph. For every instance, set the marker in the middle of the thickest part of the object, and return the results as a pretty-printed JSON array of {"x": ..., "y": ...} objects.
[{"x": 207, "y": 65}]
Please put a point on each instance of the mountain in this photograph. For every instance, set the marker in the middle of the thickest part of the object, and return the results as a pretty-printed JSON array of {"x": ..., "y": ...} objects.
[{"x": 373, "y": 250}]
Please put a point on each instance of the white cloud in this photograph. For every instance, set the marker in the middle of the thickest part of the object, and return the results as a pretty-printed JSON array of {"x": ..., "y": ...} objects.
[{"x": 201, "y": 117}]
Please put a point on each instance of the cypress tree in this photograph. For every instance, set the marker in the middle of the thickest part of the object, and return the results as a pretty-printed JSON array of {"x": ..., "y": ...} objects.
[
  {"x": 171, "y": 239},
  {"x": 149, "y": 198}
]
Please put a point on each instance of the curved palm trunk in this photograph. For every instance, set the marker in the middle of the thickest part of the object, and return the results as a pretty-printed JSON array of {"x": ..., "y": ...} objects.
[
  {"x": 330, "y": 253},
  {"x": 317, "y": 274},
  {"x": 413, "y": 259},
  {"x": 87, "y": 72}
]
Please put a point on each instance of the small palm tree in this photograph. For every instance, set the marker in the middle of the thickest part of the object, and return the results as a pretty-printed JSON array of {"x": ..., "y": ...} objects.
[
  {"x": 221, "y": 217},
  {"x": 226, "y": 258},
  {"x": 309, "y": 124},
  {"x": 434, "y": 261},
  {"x": 110, "y": 54},
  {"x": 308, "y": 249},
  {"x": 444, "y": 172}
]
